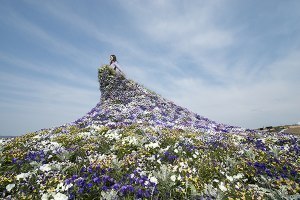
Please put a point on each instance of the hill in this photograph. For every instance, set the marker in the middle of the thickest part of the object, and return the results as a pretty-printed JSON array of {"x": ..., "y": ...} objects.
[
  {"x": 289, "y": 129},
  {"x": 134, "y": 144}
]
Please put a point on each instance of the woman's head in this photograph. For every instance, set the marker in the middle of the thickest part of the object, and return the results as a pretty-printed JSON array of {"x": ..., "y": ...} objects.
[{"x": 113, "y": 58}]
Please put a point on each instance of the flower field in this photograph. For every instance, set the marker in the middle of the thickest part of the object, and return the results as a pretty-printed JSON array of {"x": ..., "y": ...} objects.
[{"x": 136, "y": 145}]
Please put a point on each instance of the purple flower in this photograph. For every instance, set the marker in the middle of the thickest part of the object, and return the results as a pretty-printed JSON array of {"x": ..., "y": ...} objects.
[
  {"x": 116, "y": 186},
  {"x": 103, "y": 171},
  {"x": 269, "y": 173},
  {"x": 123, "y": 189},
  {"x": 105, "y": 178},
  {"x": 71, "y": 196},
  {"x": 293, "y": 173},
  {"x": 83, "y": 169},
  {"x": 147, "y": 194},
  {"x": 139, "y": 193},
  {"x": 74, "y": 177},
  {"x": 260, "y": 145},
  {"x": 104, "y": 188},
  {"x": 89, "y": 185},
  {"x": 130, "y": 188},
  {"x": 80, "y": 182},
  {"x": 96, "y": 180},
  {"x": 81, "y": 190},
  {"x": 68, "y": 181},
  {"x": 98, "y": 167},
  {"x": 140, "y": 181},
  {"x": 90, "y": 169}
]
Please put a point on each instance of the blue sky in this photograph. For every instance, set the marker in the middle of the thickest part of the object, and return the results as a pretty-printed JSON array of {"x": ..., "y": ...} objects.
[{"x": 235, "y": 62}]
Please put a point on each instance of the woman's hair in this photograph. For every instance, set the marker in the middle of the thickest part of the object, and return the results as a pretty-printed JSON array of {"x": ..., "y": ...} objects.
[{"x": 113, "y": 58}]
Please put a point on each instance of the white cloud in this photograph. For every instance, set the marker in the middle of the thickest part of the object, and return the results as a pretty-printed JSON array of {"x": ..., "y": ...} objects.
[
  {"x": 228, "y": 81},
  {"x": 32, "y": 104},
  {"x": 53, "y": 44},
  {"x": 254, "y": 91},
  {"x": 184, "y": 29},
  {"x": 55, "y": 70},
  {"x": 270, "y": 100},
  {"x": 98, "y": 32}
]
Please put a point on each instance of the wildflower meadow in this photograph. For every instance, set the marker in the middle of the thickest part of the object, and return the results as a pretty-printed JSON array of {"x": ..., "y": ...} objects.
[{"x": 134, "y": 144}]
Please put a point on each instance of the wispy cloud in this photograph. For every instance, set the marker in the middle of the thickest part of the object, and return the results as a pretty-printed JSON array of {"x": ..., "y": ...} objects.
[
  {"x": 45, "y": 101},
  {"x": 251, "y": 83},
  {"x": 51, "y": 43},
  {"x": 54, "y": 71},
  {"x": 234, "y": 62},
  {"x": 101, "y": 33},
  {"x": 187, "y": 30}
]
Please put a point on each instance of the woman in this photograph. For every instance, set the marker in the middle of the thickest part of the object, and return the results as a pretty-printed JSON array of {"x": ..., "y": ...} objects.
[{"x": 114, "y": 63}]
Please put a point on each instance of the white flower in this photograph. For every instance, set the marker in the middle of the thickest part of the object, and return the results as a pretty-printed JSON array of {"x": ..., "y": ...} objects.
[
  {"x": 286, "y": 147},
  {"x": 113, "y": 135},
  {"x": 37, "y": 137},
  {"x": 85, "y": 134},
  {"x": 62, "y": 187},
  {"x": 237, "y": 186},
  {"x": 152, "y": 158},
  {"x": 2, "y": 141},
  {"x": 9, "y": 187},
  {"x": 54, "y": 145},
  {"x": 22, "y": 175},
  {"x": 194, "y": 170},
  {"x": 179, "y": 177},
  {"x": 175, "y": 168},
  {"x": 44, "y": 143},
  {"x": 173, "y": 178},
  {"x": 222, "y": 187},
  {"x": 230, "y": 178},
  {"x": 238, "y": 176},
  {"x": 142, "y": 173},
  {"x": 96, "y": 157},
  {"x": 60, "y": 196},
  {"x": 153, "y": 180},
  {"x": 176, "y": 150},
  {"x": 165, "y": 149},
  {"x": 152, "y": 145},
  {"x": 45, "y": 196},
  {"x": 194, "y": 155},
  {"x": 112, "y": 194},
  {"x": 45, "y": 168},
  {"x": 59, "y": 186}
]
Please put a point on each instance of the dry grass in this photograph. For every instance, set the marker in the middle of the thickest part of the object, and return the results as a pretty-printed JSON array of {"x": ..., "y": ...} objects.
[{"x": 293, "y": 130}]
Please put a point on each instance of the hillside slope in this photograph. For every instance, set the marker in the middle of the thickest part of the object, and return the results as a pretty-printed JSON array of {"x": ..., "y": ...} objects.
[
  {"x": 124, "y": 102},
  {"x": 135, "y": 144}
]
